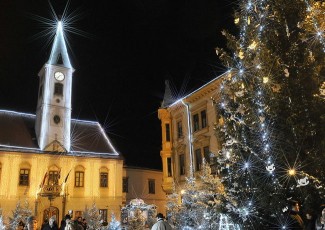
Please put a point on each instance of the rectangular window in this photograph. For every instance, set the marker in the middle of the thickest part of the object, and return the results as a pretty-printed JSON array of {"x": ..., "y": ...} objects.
[
  {"x": 79, "y": 179},
  {"x": 179, "y": 129},
  {"x": 167, "y": 132},
  {"x": 53, "y": 178},
  {"x": 58, "y": 89},
  {"x": 152, "y": 185},
  {"x": 206, "y": 152},
  {"x": 169, "y": 167},
  {"x": 203, "y": 119},
  {"x": 198, "y": 159},
  {"x": 103, "y": 214},
  {"x": 196, "y": 124},
  {"x": 24, "y": 177},
  {"x": 104, "y": 180},
  {"x": 182, "y": 164},
  {"x": 125, "y": 186}
]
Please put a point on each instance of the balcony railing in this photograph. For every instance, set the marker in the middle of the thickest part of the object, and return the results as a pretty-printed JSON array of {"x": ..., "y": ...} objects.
[{"x": 50, "y": 190}]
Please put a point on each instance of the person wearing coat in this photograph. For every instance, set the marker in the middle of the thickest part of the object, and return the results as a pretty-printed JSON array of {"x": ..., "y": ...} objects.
[
  {"x": 320, "y": 221},
  {"x": 51, "y": 225},
  {"x": 161, "y": 224},
  {"x": 296, "y": 221}
]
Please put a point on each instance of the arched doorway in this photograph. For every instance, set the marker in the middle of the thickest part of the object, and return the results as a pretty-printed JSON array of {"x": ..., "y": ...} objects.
[{"x": 49, "y": 212}]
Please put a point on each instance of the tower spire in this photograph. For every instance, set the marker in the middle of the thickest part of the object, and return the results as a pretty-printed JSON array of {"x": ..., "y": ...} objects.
[
  {"x": 59, "y": 54},
  {"x": 168, "y": 97},
  {"x": 53, "y": 112}
]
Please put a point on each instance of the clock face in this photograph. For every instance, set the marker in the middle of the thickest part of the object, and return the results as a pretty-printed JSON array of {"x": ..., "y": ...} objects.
[{"x": 59, "y": 76}]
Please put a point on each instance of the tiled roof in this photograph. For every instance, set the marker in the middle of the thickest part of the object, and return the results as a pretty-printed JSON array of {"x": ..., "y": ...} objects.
[{"x": 88, "y": 138}]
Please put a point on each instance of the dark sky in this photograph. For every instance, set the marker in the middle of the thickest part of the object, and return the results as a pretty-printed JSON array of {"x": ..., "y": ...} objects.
[{"x": 132, "y": 46}]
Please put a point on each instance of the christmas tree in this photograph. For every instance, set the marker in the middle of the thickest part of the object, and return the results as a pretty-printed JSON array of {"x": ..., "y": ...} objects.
[
  {"x": 114, "y": 224},
  {"x": 19, "y": 215},
  {"x": 2, "y": 225},
  {"x": 93, "y": 218},
  {"x": 198, "y": 206},
  {"x": 271, "y": 106}
]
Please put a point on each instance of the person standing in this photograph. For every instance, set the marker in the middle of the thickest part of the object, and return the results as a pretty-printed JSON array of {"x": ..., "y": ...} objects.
[
  {"x": 51, "y": 225},
  {"x": 296, "y": 220},
  {"x": 310, "y": 220},
  {"x": 31, "y": 223},
  {"x": 161, "y": 224},
  {"x": 63, "y": 221},
  {"x": 320, "y": 221}
]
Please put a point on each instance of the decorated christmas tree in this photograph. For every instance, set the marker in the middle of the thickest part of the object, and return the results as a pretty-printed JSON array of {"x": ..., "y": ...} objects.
[
  {"x": 114, "y": 224},
  {"x": 93, "y": 218},
  {"x": 197, "y": 207},
  {"x": 19, "y": 215},
  {"x": 2, "y": 225},
  {"x": 272, "y": 111}
]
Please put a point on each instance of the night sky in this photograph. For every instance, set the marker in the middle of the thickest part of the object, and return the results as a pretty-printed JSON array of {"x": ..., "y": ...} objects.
[{"x": 130, "y": 47}]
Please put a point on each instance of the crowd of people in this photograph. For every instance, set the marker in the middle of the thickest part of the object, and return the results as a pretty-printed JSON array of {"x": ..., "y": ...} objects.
[
  {"x": 51, "y": 224},
  {"x": 308, "y": 221},
  {"x": 80, "y": 224}
]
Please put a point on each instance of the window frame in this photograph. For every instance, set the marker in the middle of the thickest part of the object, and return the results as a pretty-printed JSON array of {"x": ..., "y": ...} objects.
[
  {"x": 167, "y": 129},
  {"x": 103, "y": 182},
  {"x": 125, "y": 184},
  {"x": 169, "y": 167},
  {"x": 198, "y": 159},
  {"x": 53, "y": 176},
  {"x": 81, "y": 182},
  {"x": 182, "y": 164},
  {"x": 199, "y": 120},
  {"x": 179, "y": 125},
  {"x": 206, "y": 154},
  {"x": 204, "y": 122},
  {"x": 22, "y": 177},
  {"x": 152, "y": 186},
  {"x": 58, "y": 89},
  {"x": 196, "y": 122}
]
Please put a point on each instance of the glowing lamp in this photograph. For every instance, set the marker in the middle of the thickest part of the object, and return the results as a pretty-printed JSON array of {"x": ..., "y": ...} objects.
[
  {"x": 265, "y": 80},
  {"x": 292, "y": 172}
]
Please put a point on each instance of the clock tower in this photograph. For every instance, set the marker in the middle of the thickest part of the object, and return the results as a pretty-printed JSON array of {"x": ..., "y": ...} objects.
[{"x": 53, "y": 112}]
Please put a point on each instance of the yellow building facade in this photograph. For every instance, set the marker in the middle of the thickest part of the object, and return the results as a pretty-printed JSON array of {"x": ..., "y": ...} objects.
[
  {"x": 144, "y": 184},
  {"x": 22, "y": 175},
  {"x": 188, "y": 133},
  {"x": 53, "y": 162}
]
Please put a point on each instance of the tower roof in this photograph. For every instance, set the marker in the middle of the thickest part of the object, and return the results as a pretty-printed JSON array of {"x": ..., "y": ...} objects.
[
  {"x": 59, "y": 54},
  {"x": 168, "y": 97}
]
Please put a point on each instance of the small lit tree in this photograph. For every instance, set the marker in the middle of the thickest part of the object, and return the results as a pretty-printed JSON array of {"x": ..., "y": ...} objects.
[
  {"x": 2, "y": 225},
  {"x": 19, "y": 215},
  {"x": 114, "y": 224},
  {"x": 93, "y": 218}
]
